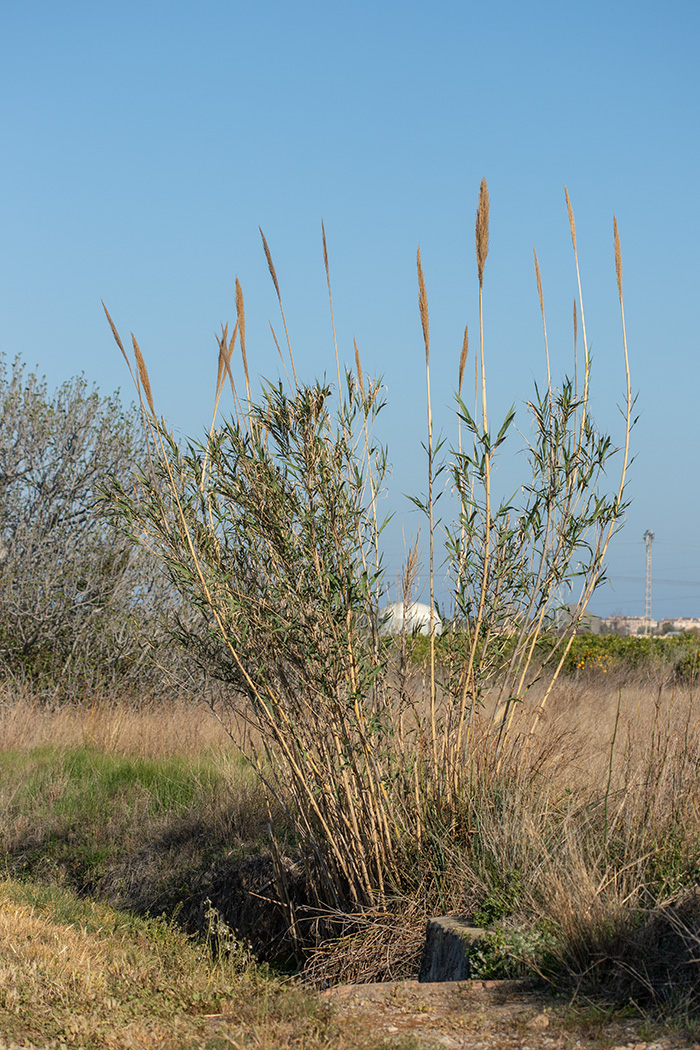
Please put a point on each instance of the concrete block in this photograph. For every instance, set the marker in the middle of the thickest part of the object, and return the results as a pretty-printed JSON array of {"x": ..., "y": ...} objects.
[{"x": 448, "y": 943}]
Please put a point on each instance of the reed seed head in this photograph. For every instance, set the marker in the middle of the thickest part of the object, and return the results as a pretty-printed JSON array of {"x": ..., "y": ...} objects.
[
  {"x": 228, "y": 353},
  {"x": 575, "y": 327},
  {"x": 539, "y": 282},
  {"x": 325, "y": 252},
  {"x": 463, "y": 358},
  {"x": 270, "y": 264},
  {"x": 222, "y": 340},
  {"x": 115, "y": 333},
  {"x": 423, "y": 307},
  {"x": 482, "y": 230},
  {"x": 143, "y": 374},
  {"x": 358, "y": 365},
  {"x": 572, "y": 224},
  {"x": 274, "y": 336},
  {"x": 618, "y": 259},
  {"x": 240, "y": 310}
]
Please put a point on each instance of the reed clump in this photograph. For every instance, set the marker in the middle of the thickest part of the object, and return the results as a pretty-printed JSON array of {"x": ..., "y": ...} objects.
[{"x": 452, "y": 794}]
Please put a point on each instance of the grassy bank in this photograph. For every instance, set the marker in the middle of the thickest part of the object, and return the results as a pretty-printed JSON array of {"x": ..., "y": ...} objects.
[
  {"x": 121, "y": 802},
  {"x": 80, "y": 974},
  {"x": 582, "y": 857}
]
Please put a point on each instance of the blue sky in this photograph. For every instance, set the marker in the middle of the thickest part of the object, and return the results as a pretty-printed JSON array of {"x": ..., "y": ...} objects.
[{"x": 143, "y": 144}]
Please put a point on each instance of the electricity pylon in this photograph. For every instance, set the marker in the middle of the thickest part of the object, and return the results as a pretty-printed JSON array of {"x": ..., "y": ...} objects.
[{"x": 648, "y": 539}]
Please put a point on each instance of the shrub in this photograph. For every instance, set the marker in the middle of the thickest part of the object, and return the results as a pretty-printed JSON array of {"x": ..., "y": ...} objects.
[{"x": 74, "y": 590}]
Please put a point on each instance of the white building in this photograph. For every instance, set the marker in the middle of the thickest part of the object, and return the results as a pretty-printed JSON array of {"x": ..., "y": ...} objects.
[{"x": 395, "y": 618}]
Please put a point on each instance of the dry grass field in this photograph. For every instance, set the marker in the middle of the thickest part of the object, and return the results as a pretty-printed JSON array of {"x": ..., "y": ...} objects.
[{"x": 586, "y": 864}]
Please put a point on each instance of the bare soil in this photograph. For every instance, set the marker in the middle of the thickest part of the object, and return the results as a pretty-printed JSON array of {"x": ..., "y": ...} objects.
[{"x": 487, "y": 1015}]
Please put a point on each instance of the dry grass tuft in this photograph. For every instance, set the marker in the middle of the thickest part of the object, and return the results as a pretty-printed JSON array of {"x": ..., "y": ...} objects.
[{"x": 157, "y": 728}]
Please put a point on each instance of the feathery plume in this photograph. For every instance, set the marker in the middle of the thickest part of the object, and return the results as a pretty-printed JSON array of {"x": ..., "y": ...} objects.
[
  {"x": 325, "y": 250},
  {"x": 538, "y": 275},
  {"x": 463, "y": 358},
  {"x": 618, "y": 259},
  {"x": 270, "y": 263},
  {"x": 539, "y": 283},
  {"x": 143, "y": 373},
  {"x": 572, "y": 224},
  {"x": 330, "y": 302},
  {"x": 222, "y": 340},
  {"x": 575, "y": 327},
  {"x": 358, "y": 365},
  {"x": 240, "y": 310},
  {"x": 482, "y": 230},
  {"x": 423, "y": 306},
  {"x": 115, "y": 333}
]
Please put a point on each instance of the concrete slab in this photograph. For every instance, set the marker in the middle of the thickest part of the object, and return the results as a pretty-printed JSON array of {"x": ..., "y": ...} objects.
[{"x": 448, "y": 943}]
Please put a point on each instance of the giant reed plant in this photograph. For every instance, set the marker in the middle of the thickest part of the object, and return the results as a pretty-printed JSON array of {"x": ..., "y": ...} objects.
[
  {"x": 269, "y": 528},
  {"x": 514, "y": 563}
]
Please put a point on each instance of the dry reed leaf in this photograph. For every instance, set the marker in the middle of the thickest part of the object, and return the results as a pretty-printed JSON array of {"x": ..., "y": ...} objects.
[
  {"x": 482, "y": 230},
  {"x": 423, "y": 306},
  {"x": 618, "y": 259},
  {"x": 143, "y": 373},
  {"x": 358, "y": 365},
  {"x": 463, "y": 358},
  {"x": 572, "y": 224}
]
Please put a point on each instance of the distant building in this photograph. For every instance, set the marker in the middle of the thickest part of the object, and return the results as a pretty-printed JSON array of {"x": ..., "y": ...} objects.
[
  {"x": 686, "y": 623},
  {"x": 629, "y": 625},
  {"x": 638, "y": 625},
  {"x": 395, "y": 618}
]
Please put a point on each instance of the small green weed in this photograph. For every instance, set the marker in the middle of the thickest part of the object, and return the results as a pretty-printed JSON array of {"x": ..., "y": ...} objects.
[{"x": 508, "y": 954}]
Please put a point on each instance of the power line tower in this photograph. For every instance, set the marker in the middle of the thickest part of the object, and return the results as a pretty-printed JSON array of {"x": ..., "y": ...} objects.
[{"x": 648, "y": 539}]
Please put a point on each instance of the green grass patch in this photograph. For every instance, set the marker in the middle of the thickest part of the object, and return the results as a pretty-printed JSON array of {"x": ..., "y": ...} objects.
[
  {"x": 71, "y": 814},
  {"x": 90, "y": 781}
]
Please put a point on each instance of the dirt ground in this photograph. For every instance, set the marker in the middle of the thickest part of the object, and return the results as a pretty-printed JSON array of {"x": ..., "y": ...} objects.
[{"x": 489, "y": 1015}]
